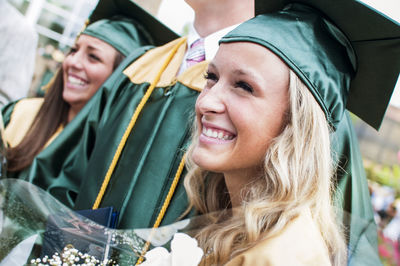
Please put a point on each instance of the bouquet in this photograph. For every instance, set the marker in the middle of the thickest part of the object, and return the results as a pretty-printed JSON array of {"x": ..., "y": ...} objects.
[{"x": 36, "y": 229}]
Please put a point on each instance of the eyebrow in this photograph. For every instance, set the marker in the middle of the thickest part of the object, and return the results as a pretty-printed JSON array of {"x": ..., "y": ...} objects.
[
  {"x": 251, "y": 75},
  {"x": 241, "y": 72},
  {"x": 236, "y": 71},
  {"x": 211, "y": 64},
  {"x": 90, "y": 47}
]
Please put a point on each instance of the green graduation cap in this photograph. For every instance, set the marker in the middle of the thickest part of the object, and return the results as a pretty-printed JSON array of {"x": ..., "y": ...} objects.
[
  {"x": 337, "y": 47},
  {"x": 160, "y": 33},
  {"x": 123, "y": 33}
]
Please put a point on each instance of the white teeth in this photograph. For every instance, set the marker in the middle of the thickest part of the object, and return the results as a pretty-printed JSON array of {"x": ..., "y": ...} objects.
[
  {"x": 216, "y": 134},
  {"x": 75, "y": 81}
]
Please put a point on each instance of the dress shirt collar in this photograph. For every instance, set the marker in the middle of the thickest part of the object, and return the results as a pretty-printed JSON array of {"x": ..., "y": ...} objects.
[{"x": 211, "y": 41}]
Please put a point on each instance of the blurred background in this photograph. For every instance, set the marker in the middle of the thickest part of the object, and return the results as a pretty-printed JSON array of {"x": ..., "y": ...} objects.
[{"x": 59, "y": 21}]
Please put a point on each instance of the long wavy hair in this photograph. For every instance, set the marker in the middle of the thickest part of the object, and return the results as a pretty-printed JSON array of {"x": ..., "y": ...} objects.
[
  {"x": 52, "y": 114},
  {"x": 298, "y": 173}
]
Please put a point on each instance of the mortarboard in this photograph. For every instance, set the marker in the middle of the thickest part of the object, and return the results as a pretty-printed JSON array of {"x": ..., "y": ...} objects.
[
  {"x": 355, "y": 51},
  {"x": 159, "y": 32},
  {"x": 123, "y": 33}
]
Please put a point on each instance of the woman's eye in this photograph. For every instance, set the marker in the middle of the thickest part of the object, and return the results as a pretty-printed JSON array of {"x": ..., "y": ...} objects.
[
  {"x": 95, "y": 57},
  {"x": 245, "y": 86},
  {"x": 210, "y": 76},
  {"x": 211, "y": 79},
  {"x": 72, "y": 50}
]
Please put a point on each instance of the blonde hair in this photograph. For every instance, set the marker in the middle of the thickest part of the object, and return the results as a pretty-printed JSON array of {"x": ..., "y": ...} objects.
[{"x": 291, "y": 181}]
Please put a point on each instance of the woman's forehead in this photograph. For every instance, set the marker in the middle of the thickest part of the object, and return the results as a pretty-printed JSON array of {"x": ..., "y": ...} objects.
[
  {"x": 248, "y": 58},
  {"x": 244, "y": 49},
  {"x": 93, "y": 42}
]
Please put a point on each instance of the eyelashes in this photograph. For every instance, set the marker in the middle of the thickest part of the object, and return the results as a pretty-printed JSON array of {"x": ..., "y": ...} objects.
[
  {"x": 212, "y": 79},
  {"x": 210, "y": 76},
  {"x": 72, "y": 50},
  {"x": 95, "y": 57},
  {"x": 245, "y": 86}
]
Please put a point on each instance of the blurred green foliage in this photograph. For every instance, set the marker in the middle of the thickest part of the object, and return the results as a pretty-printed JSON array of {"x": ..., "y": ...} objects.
[{"x": 388, "y": 175}]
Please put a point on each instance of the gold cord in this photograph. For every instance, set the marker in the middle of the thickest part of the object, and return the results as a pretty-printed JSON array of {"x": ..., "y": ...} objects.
[
  {"x": 130, "y": 127},
  {"x": 164, "y": 208}
]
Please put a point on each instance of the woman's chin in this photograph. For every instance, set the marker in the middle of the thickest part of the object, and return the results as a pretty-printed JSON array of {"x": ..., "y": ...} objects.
[{"x": 206, "y": 162}]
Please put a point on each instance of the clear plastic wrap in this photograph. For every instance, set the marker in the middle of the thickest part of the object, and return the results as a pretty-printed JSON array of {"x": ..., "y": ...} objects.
[
  {"x": 35, "y": 228},
  {"x": 34, "y": 225}
]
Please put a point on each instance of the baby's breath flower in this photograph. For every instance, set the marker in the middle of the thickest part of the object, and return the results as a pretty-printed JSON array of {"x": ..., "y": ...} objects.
[{"x": 70, "y": 256}]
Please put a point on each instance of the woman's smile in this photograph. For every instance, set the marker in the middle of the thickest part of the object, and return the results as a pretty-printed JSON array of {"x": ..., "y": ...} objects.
[
  {"x": 76, "y": 82},
  {"x": 217, "y": 134},
  {"x": 214, "y": 134}
]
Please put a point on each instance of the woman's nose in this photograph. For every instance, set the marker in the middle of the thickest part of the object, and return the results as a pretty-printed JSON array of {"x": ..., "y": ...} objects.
[
  {"x": 75, "y": 60},
  {"x": 211, "y": 101}
]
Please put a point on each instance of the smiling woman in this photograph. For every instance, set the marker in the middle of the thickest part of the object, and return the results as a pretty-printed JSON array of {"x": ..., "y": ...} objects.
[
  {"x": 233, "y": 80},
  {"x": 101, "y": 47},
  {"x": 85, "y": 68},
  {"x": 276, "y": 194},
  {"x": 260, "y": 163}
]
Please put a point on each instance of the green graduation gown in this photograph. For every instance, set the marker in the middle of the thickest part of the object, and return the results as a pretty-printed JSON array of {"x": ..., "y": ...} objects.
[
  {"x": 352, "y": 196},
  {"x": 149, "y": 161}
]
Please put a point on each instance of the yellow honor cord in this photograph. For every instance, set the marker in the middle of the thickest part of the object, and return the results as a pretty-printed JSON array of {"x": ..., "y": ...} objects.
[
  {"x": 164, "y": 208},
  {"x": 130, "y": 127}
]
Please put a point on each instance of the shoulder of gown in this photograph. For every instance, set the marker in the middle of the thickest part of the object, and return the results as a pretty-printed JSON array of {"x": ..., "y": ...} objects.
[
  {"x": 21, "y": 117},
  {"x": 300, "y": 243}
]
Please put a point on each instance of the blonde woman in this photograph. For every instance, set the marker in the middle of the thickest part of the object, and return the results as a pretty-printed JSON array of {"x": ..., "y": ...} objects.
[
  {"x": 260, "y": 162},
  {"x": 278, "y": 185}
]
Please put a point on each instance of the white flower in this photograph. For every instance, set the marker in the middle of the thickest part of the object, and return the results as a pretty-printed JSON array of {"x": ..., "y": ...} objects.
[
  {"x": 161, "y": 235},
  {"x": 157, "y": 257},
  {"x": 184, "y": 251}
]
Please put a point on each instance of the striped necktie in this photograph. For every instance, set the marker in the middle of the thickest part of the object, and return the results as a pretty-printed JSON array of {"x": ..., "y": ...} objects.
[{"x": 196, "y": 53}]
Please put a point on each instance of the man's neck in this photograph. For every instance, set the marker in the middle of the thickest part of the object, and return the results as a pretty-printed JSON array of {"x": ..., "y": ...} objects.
[{"x": 212, "y": 19}]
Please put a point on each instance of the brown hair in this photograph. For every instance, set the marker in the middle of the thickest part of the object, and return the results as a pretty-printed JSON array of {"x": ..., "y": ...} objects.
[{"x": 52, "y": 114}]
